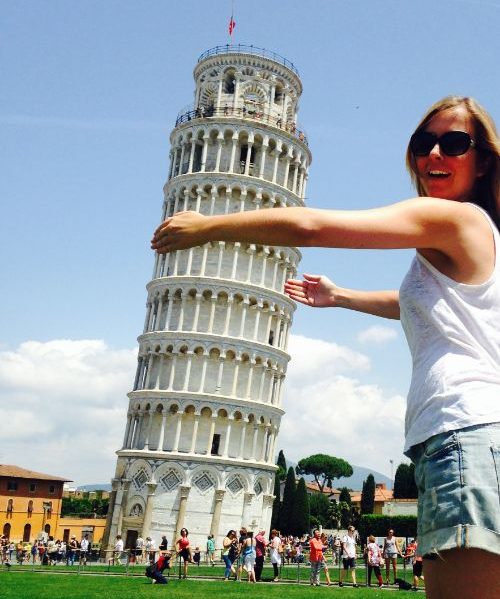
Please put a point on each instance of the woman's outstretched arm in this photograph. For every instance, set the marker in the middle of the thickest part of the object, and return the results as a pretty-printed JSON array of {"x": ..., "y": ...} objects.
[
  {"x": 416, "y": 223},
  {"x": 319, "y": 292}
]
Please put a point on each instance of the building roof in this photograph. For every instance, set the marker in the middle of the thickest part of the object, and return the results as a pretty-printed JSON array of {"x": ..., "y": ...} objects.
[
  {"x": 18, "y": 472},
  {"x": 382, "y": 494},
  {"x": 313, "y": 486}
]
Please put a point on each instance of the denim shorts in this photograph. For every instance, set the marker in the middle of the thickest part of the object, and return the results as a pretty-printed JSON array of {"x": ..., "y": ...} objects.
[{"x": 458, "y": 479}]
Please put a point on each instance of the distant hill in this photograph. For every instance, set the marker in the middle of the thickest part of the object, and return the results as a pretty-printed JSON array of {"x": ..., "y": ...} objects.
[
  {"x": 354, "y": 482},
  {"x": 95, "y": 487}
]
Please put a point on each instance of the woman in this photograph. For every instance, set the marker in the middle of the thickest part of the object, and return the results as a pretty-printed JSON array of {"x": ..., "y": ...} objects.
[
  {"x": 184, "y": 550},
  {"x": 229, "y": 551},
  {"x": 373, "y": 560},
  {"x": 391, "y": 551},
  {"x": 248, "y": 552},
  {"x": 275, "y": 553},
  {"x": 324, "y": 565},
  {"x": 449, "y": 305}
]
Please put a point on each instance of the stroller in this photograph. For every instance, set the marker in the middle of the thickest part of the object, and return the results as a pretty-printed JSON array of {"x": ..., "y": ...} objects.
[{"x": 155, "y": 571}]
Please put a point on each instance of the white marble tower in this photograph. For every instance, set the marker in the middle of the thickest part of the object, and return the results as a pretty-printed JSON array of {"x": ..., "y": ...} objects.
[{"x": 204, "y": 414}]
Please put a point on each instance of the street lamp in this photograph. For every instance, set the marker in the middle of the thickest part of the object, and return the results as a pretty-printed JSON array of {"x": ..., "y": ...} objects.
[{"x": 392, "y": 473}]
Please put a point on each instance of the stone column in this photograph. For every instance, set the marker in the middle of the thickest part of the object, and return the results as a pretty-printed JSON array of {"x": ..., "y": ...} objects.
[
  {"x": 123, "y": 503},
  {"x": 247, "y": 504},
  {"x": 148, "y": 512},
  {"x": 214, "y": 526},
  {"x": 265, "y": 145},
  {"x": 184, "y": 493},
  {"x": 162, "y": 430}
]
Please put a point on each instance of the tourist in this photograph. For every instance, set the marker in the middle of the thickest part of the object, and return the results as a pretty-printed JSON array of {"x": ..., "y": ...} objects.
[
  {"x": 84, "y": 549},
  {"x": 184, "y": 550},
  {"x": 229, "y": 551},
  {"x": 391, "y": 551},
  {"x": 348, "y": 557},
  {"x": 373, "y": 561},
  {"x": 210, "y": 550},
  {"x": 150, "y": 549},
  {"x": 275, "y": 553},
  {"x": 248, "y": 553},
  {"x": 197, "y": 556},
  {"x": 324, "y": 564},
  {"x": 316, "y": 548},
  {"x": 416, "y": 561},
  {"x": 449, "y": 305},
  {"x": 260, "y": 552}
]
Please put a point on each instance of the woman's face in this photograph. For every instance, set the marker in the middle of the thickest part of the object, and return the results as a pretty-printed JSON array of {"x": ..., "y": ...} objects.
[{"x": 449, "y": 177}]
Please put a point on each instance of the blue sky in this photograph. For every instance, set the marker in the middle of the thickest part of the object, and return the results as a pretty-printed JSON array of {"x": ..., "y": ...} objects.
[{"x": 90, "y": 91}]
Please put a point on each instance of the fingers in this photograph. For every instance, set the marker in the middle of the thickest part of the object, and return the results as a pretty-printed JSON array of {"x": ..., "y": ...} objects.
[{"x": 312, "y": 278}]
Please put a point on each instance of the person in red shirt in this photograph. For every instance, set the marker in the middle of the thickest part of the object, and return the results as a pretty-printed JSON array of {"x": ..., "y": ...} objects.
[{"x": 316, "y": 556}]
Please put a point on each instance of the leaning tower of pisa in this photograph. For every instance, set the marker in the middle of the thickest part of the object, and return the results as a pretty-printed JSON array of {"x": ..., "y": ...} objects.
[{"x": 205, "y": 410}]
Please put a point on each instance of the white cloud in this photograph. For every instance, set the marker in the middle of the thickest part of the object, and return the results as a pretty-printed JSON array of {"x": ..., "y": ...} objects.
[
  {"x": 63, "y": 407},
  {"x": 328, "y": 412},
  {"x": 377, "y": 335}
]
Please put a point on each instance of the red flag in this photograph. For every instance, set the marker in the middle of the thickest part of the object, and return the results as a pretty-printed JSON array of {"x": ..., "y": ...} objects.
[{"x": 232, "y": 25}]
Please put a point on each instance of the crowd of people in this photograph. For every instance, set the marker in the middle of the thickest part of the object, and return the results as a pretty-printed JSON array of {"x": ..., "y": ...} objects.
[
  {"x": 243, "y": 554},
  {"x": 46, "y": 551}
]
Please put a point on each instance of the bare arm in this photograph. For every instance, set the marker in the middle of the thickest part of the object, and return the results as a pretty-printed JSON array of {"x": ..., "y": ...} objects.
[
  {"x": 319, "y": 292},
  {"x": 412, "y": 223},
  {"x": 450, "y": 233}
]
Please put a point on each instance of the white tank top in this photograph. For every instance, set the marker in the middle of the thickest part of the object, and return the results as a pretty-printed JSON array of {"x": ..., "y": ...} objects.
[{"x": 453, "y": 330}]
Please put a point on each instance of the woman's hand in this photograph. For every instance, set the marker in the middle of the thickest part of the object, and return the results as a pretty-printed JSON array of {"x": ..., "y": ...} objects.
[
  {"x": 184, "y": 230},
  {"x": 315, "y": 290}
]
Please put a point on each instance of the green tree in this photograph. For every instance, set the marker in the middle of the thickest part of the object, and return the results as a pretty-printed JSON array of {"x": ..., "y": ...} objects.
[
  {"x": 412, "y": 485},
  {"x": 320, "y": 508},
  {"x": 368, "y": 495},
  {"x": 324, "y": 468},
  {"x": 301, "y": 512},
  {"x": 345, "y": 496},
  {"x": 276, "y": 503},
  {"x": 286, "y": 511},
  {"x": 281, "y": 463},
  {"x": 404, "y": 482}
]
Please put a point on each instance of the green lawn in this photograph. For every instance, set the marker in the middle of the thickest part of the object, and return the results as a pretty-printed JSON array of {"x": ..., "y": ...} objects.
[{"x": 37, "y": 585}]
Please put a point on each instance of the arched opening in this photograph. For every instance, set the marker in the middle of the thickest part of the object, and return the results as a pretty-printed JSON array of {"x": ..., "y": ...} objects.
[
  {"x": 27, "y": 533},
  {"x": 6, "y": 530}
]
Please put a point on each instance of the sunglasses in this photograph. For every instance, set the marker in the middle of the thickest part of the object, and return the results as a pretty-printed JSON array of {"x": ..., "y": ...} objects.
[{"x": 452, "y": 143}]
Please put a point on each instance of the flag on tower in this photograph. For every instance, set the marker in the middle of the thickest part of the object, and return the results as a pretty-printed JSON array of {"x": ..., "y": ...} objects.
[{"x": 232, "y": 25}]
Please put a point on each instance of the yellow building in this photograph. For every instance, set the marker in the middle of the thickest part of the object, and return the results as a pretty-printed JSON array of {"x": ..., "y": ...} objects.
[{"x": 30, "y": 502}]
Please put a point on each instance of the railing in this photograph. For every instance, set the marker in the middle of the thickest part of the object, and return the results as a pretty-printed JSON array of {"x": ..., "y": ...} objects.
[
  {"x": 293, "y": 569},
  {"x": 203, "y": 112},
  {"x": 249, "y": 49}
]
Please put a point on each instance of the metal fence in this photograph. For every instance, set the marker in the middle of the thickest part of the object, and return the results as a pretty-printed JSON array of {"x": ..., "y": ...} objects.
[
  {"x": 204, "y": 112},
  {"x": 248, "y": 49}
]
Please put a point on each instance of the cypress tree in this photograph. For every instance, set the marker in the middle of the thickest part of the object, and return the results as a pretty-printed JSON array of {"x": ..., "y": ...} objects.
[
  {"x": 281, "y": 463},
  {"x": 345, "y": 496},
  {"x": 299, "y": 524},
  {"x": 401, "y": 481},
  {"x": 286, "y": 512},
  {"x": 368, "y": 495}
]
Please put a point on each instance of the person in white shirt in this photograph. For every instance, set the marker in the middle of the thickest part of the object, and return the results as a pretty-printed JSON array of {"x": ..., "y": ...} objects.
[
  {"x": 84, "y": 549},
  {"x": 117, "y": 550},
  {"x": 348, "y": 557}
]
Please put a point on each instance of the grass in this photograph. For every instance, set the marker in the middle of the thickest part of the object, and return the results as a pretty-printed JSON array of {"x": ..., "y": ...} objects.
[{"x": 18, "y": 584}]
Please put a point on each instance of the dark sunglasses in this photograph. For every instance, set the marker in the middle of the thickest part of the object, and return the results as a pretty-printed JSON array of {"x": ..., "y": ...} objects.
[{"x": 452, "y": 143}]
